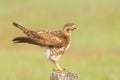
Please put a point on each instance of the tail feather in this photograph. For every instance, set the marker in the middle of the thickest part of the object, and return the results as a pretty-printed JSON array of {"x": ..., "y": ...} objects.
[
  {"x": 24, "y": 40},
  {"x": 20, "y": 27},
  {"x": 25, "y": 30}
]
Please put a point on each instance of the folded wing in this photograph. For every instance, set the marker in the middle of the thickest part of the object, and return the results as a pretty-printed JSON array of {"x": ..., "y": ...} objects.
[{"x": 50, "y": 38}]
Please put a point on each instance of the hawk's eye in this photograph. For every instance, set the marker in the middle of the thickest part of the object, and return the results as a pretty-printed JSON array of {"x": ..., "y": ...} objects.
[{"x": 68, "y": 30}]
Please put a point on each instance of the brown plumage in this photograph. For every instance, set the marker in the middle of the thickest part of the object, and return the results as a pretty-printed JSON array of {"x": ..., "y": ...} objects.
[{"x": 56, "y": 42}]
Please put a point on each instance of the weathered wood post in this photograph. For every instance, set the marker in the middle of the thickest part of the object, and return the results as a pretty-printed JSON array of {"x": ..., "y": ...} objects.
[{"x": 65, "y": 75}]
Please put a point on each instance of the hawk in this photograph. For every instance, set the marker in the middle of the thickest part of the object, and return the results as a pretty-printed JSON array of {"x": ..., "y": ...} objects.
[{"x": 55, "y": 42}]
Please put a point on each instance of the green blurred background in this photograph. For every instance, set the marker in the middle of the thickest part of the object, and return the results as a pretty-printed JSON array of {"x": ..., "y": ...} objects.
[{"x": 95, "y": 45}]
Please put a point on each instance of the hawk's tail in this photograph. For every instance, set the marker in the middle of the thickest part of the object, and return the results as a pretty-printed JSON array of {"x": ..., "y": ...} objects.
[
  {"x": 24, "y": 40},
  {"x": 25, "y": 30}
]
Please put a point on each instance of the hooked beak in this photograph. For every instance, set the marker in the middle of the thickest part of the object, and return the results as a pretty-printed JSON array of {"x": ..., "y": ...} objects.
[{"x": 74, "y": 28}]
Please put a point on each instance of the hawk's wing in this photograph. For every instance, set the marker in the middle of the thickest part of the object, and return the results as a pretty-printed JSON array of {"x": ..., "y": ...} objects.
[{"x": 50, "y": 38}]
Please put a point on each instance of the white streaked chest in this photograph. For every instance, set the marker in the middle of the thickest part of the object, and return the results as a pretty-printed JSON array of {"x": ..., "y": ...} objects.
[
  {"x": 47, "y": 52},
  {"x": 55, "y": 53}
]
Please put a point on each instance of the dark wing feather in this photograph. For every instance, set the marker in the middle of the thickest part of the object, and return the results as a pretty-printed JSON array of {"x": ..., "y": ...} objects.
[{"x": 25, "y": 40}]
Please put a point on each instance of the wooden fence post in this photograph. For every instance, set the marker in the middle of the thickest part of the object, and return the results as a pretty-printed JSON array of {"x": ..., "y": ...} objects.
[{"x": 65, "y": 75}]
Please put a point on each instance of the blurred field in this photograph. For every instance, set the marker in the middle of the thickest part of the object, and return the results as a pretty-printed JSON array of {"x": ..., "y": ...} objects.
[{"x": 95, "y": 45}]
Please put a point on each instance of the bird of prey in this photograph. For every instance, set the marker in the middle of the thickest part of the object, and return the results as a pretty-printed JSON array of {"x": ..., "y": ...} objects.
[{"x": 55, "y": 42}]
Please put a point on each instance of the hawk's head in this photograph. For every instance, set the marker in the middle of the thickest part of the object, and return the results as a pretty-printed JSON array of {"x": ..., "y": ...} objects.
[{"x": 68, "y": 28}]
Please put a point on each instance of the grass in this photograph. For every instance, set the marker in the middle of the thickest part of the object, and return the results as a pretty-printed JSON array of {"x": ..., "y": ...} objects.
[
  {"x": 25, "y": 65},
  {"x": 95, "y": 45}
]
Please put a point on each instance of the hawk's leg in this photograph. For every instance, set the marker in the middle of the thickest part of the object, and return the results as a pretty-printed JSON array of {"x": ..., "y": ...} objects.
[{"x": 58, "y": 66}]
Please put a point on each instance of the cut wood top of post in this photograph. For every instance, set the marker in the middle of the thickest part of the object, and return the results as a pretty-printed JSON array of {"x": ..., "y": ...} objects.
[{"x": 63, "y": 75}]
